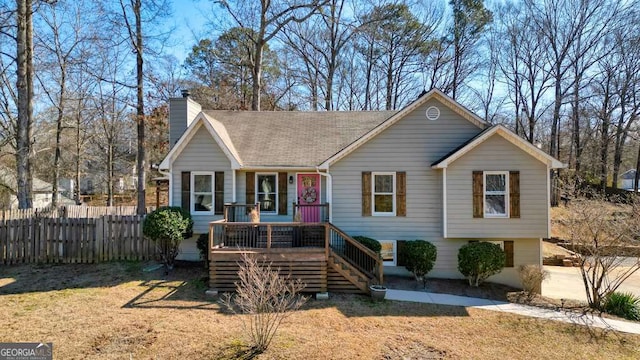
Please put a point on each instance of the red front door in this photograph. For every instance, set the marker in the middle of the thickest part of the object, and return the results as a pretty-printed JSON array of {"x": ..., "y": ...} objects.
[{"x": 309, "y": 195}]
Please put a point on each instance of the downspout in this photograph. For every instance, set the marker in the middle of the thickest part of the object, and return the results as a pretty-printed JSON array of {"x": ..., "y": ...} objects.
[
  {"x": 233, "y": 186},
  {"x": 329, "y": 191},
  {"x": 444, "y": 202}
]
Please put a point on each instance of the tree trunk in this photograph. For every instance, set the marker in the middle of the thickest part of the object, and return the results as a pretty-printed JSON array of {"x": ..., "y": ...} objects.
[
  {"x": 24, "y": 85},
  {"x": 110, "y": 167},
  {"x": 140, "y": 165},
  {"x": 257, "y": 76},
  {"x": 57, "y": 154},
  {"x": 637, "y": 178},
  {"x": 76, "y": 187}
]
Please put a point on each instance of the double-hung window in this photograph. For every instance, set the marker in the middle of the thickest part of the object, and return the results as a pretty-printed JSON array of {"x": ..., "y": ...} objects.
[
  {"x": 267, "y": 192},
  {"x": 384, "y": 193},
  {"x": 202, "y": 189},
  {"x": 496, "y": 194}
]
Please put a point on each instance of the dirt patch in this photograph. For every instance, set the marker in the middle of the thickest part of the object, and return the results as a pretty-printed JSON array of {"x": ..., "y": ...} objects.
[{"x": 459, "y": 287}]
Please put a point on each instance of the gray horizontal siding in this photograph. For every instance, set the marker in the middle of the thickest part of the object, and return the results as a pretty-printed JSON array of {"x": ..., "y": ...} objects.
[
  {"x": 497, "y": 154},
  {"x": 201, "y": 154},
  {"x": 525, "y": 251},
  {"x": 410, "y": 145},
  {"x": 241, "y": 183}
]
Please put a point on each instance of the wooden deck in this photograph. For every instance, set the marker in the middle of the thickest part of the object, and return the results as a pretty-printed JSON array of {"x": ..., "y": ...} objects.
[{"x": 319, "y": 254}]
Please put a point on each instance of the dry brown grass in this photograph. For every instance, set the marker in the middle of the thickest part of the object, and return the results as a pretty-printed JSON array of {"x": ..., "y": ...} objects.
[{"x": 112, "y": 311}]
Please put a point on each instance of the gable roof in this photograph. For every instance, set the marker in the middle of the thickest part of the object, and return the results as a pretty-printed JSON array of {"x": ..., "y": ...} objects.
[
  {"x": 293, "y": 138},
  {"x": 629, "y": 174},
  {"x": 277, "y": 139},
  {"x": 9, "y": 181},
  {"x": 507, "y": 134},
  {"x": 217, "y": 132},
  {"x": 431, "y": 94}
]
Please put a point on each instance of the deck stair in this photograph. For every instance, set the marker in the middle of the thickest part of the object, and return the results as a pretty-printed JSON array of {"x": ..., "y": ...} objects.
[
  {"x": 347, "y": 277},
  {"x": 320, "y": 254}
]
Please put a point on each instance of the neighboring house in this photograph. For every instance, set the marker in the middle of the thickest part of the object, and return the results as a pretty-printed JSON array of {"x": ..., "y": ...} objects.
[
  {"x": 431, "y": 171},
  {"x": 94, "y": 179},
  {"x": 41, "y": 192},
  {"x": 628, "y": 179}
]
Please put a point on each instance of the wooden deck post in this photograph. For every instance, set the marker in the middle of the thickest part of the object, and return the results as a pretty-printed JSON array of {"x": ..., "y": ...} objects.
[
  {"x": 327, "y": 237},
  {"x": 268, "y": 236}
]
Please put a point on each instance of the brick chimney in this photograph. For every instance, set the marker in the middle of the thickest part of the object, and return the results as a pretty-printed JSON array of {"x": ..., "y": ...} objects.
[{"x": 182, "y": 111}]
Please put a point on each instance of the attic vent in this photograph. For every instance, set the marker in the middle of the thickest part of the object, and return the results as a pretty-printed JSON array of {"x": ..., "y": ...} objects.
[{"x": 433, "y": 113}]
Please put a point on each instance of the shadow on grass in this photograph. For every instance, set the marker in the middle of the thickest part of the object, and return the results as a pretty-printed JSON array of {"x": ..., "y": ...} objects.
[
  {"x": 31, "y": 278},
  {"x": 237, "y": 351},
  {"x": 182, "y": 288},
  {"x": 172, "y": 294}
]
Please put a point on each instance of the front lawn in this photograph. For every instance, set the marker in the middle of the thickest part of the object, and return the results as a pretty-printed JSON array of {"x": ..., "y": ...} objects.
[{"x": 116, "y": 310}]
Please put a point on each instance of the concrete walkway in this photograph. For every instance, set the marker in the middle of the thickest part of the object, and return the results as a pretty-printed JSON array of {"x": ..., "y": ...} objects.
[{"x": 557, "y": 315}]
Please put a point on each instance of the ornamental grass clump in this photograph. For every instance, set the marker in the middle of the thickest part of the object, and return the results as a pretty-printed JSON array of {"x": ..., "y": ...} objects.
[
  {"x": 479, "y": 260},
  {"x": 531, "y": 277},
  {"x": 623, "y": 304}
]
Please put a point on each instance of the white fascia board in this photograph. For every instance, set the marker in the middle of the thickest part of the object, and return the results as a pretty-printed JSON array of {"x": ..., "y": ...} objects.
[
  {"x": 200, "y": 120},
  {"x": 432, "y": 94}
]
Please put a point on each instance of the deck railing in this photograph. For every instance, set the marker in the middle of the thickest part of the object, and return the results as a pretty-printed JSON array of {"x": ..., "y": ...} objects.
[
  {"x": 266, "y": 235},
  {"x": 240, "y": 212},
  {"x": 247, "y": 235},
  {"x": 318, "y": 213},
  {"x": 358, "y": 255}
]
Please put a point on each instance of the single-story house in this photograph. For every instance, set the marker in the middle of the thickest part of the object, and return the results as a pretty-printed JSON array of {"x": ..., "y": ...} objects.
[
  {"x": 432, "y": 171},
  {"x": 42, "y": 191},
  {"x": 628, "y": 179}
]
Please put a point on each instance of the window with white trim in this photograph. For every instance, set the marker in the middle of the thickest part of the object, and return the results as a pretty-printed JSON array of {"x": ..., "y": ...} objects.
[
  {"x": 267, "y": 192},
  {"x": 383, "y": 193},
  {"x": 388, "y": 252},
  {"x": 496, "y": 194},
  {"x": 202, "y": 192}
]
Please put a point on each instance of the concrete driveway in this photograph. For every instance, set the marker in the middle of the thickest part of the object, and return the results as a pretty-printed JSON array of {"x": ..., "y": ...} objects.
[{"x": 566, "y": 283}]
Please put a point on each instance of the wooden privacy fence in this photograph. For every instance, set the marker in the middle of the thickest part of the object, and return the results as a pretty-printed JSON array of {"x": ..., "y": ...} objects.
[
  {"x": 68, "y": 240},
  {"x": 72, "y": 211}
]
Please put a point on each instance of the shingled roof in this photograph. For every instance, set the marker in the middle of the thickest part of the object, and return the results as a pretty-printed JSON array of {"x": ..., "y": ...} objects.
[{"x": 292, "y": 138}]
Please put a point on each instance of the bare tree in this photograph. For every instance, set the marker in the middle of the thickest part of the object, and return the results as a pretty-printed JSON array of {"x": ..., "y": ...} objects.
[
  {"x": 266, "y": 19},
  {"x": 601, "y": 231},
  {"x": 61, "y": 40}
]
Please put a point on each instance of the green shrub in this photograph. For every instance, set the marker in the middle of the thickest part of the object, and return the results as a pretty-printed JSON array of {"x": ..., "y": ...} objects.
[
  {"x": 479, "y": 260},
  {"x": 185, "y": 214},
  {"x": 369, "y": 243},
  {"x": 166, "y": 227},
  {"x": 625, "y": 305},
  {"x": 419, "y": 257},
  {"x": 203, "y": 246}
]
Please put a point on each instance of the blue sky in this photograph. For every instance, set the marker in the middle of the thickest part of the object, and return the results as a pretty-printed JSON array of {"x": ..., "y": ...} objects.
[{"x": 189, "y": 21}]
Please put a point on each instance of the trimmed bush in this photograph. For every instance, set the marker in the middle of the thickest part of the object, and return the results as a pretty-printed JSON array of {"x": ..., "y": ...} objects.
[
  {"x": 621, "y": 304},
  {"x": 166, "y": 227},
  {"x": 419, "y": 257},
  {"x": 479, "y": 260},
  {"x": 369, "y": 243},
  {"x": 185, "y": 214}
]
